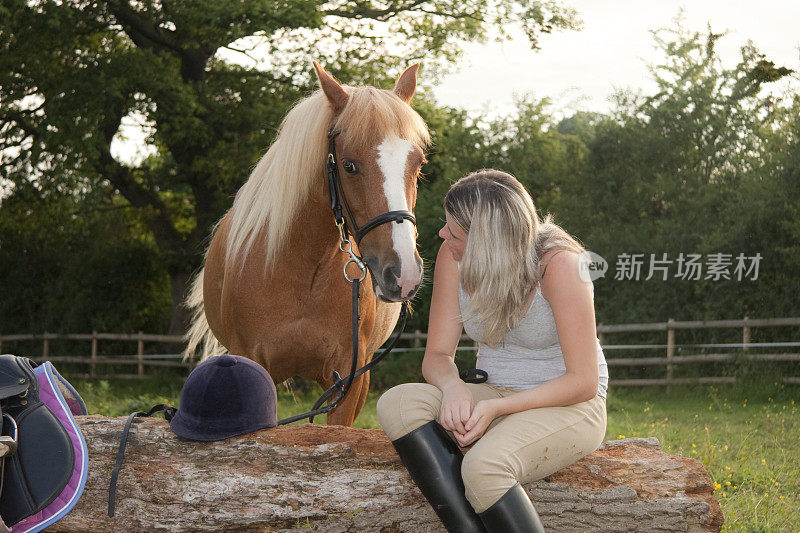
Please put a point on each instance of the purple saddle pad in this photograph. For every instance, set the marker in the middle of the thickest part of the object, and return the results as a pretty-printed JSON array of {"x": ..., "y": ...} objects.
[{"x": 65, "y": 402}]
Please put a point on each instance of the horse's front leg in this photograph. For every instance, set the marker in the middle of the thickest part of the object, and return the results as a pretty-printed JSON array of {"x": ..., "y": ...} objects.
[
  {"x": 362, "y": 397},
  {"x": 348, "y": 408}
]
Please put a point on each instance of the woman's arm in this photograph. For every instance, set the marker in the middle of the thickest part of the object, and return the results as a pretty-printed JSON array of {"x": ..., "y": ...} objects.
[
  {"x": 573, "y": 309},
  {"x": 444, "y": 330}
]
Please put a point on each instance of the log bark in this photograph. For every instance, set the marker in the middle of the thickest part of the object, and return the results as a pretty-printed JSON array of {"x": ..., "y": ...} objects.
[{"x": 341, "y": 479}]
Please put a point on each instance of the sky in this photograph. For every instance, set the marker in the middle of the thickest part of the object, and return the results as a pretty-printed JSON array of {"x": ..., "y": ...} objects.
[{"x": 579, "y": 70}]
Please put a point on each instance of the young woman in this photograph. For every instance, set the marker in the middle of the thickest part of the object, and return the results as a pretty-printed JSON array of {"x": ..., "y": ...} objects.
[{"x": 512, "y": 283}]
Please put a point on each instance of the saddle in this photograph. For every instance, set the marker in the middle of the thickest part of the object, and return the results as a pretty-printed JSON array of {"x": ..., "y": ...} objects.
[{"x": 43, "y": 454}]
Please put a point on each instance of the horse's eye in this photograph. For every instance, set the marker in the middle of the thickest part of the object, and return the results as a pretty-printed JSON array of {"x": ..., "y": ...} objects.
[{"x": 350, "y": 167}]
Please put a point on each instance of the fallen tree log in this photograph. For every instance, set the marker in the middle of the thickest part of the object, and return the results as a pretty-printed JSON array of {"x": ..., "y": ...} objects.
[{"x": 339, "y": 479}]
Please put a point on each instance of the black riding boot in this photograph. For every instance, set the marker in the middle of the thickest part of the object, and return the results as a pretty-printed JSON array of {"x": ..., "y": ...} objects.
[
  {"x": 434, "y": 462},
  {"x": 512, "y": 513}
]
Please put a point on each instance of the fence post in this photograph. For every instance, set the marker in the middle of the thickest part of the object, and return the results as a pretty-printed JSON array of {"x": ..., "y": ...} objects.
[
  {"x": 745, "y": 335},
  {"x": 45, "y": 347},
  {"x": 140, "y": 353},
  {"x": 417, "y": 338},
  {"x": 670, "y": 351},
  {"x": 93, "y": 367}
]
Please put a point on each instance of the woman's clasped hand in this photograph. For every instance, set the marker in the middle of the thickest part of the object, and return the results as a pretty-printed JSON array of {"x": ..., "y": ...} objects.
[
  {"x": 468, "y": 422},
  {"x": 456, "y": 407}
]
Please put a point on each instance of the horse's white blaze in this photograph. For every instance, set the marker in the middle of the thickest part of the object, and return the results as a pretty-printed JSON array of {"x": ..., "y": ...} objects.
[{"x": 392, "y": 158}]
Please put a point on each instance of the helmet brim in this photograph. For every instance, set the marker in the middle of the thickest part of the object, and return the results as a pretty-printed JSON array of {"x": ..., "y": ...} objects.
[{"x": 184, "y": 429}]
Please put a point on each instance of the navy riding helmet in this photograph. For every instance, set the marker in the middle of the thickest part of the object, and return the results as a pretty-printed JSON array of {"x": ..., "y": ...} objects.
[{"x": 225, "y": 396}]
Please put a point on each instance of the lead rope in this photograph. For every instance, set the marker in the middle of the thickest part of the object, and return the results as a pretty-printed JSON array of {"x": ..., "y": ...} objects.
[
  {"x": 169, "y": 412},
  {"x": 341, "y": 386},
  {"x": 3, "y": 526}
]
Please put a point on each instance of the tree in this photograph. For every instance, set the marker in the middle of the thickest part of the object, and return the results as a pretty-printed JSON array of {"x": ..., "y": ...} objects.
[
  {"x": 76, "y": 264},
  {"x": 71, "y": 72},
  {"x": 685, "y": 170}
]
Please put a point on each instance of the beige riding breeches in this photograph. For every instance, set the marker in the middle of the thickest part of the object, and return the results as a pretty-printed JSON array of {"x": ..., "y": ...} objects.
[{"x": 524, "y": 446}]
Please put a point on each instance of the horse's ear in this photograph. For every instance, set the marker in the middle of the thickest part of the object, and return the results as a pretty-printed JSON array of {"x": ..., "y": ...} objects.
[
  {"x": 407, "y": 83},
  {"x": 336, "y": 94}
]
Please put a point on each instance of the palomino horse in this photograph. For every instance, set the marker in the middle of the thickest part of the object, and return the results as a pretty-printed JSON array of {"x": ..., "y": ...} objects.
[{"x": 272, "y": 288}]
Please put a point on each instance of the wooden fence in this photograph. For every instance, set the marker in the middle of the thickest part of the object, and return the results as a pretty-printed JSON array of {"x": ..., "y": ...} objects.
[
  {"x": 415, "y": 341},
  {"x": 140, "y": 359},
  {"x": 670, "y": 359}
]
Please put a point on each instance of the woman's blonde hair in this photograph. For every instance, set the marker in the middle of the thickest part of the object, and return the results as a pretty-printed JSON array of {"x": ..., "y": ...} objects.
[{"x": 505, "y": 243}]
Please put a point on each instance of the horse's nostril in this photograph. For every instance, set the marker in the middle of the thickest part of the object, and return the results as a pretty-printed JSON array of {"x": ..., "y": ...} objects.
[{"x": 391, "y": 274}]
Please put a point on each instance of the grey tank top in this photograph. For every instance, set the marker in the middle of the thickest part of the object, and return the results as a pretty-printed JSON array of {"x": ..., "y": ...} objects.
[{"x": 531, "y": 353}]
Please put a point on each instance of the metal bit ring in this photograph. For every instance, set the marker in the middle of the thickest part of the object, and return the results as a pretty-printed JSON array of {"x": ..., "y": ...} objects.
[{"x": 359, "y": 264}]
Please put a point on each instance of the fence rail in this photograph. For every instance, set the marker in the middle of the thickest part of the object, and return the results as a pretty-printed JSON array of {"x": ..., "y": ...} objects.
[
  {"x": 139, "y": 359},
  {"x": 417, "y": 339}
]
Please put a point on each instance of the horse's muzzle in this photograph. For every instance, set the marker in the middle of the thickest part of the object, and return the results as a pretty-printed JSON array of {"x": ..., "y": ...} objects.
[{"x": 391, "y": 282}]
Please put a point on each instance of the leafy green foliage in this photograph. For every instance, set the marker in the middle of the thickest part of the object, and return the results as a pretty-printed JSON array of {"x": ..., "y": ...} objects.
[
  {"x": 71, "y": 72},
  {"x": 75, "y": 266},
  {"x": 706, "y": 164},
  {"x": 685, "y": 170}
]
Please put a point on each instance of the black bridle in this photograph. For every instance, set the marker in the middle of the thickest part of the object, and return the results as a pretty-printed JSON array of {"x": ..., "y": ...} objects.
[
  {"x": 338, "y": 199},
  {"x": 347, "y": 228}
]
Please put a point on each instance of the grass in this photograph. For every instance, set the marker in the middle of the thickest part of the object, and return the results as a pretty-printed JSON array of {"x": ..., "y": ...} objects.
[
  {"x": 748, "y": 437},
  {"x": 751, "y": 446}
]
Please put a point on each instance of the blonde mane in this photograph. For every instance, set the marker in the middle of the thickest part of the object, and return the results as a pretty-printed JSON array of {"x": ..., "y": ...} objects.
[{"x": 267, "y": 204}]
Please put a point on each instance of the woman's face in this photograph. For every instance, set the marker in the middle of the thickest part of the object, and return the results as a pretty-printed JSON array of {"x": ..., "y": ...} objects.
[{"x": 454, "y": 237}]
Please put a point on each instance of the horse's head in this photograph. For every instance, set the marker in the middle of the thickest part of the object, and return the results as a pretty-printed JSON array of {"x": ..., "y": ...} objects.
[{"x": 379, "y": 145}]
